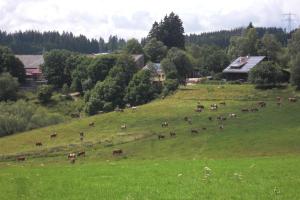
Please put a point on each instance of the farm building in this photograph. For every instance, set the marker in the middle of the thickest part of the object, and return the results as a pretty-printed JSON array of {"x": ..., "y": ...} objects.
[
  {"x": 32, "y": 63},
  {"x": 240, "y": 68},
  {"x": 159, "y": 73}
]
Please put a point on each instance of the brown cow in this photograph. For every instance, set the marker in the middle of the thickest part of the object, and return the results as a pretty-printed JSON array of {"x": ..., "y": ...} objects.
[
  {"x": 210, "y": 118},
  {"x": 292, "y": 99},
  {"x": 198, "y": 110},
  {"x": 262, "y": 104},
  {"x": 223, "y": 103},
  {"x": 38, "y": 144},
  {"x": 81, "y": 153},
  {"x": 117, "y": 152},
  {"x": 200, "y": 106},
  {"x": 245, "y": 110},
  {"x": 172, "y": 134},
  {"x": 92, "y": 124},
  {"x": 164, "y": 124},
  {"x": 53, "y": 135},
  {"x": 194, "y": 131},
  {"x": 21, "y": 158},
  {"x": 161, "y": 137},
  {"x": 278, "y": 98}
]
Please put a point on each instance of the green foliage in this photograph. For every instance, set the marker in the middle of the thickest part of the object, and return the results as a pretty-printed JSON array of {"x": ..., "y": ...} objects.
[
  {"x": 8, "y": 87},
  {"x": 170, "y": 31},
  {"x": 20, "y": 116},
  {"x": 155, "y": 50},
  {"x": 266, "y": 74},
  {"x": 170, "y": 85},
  {"x": 9, "y": 63},
  {"x": 182, "y": 63},
  {"x": 44, "y": 93},
  {"x": 140, "y": 89},
  {"x": 65, "y": 89},
  {"x": 169, "y": 69},
  {"x": 133, "y": 47},
  {"x": 294, "y": 43},
  {"x": 270, "y": 47},
  {"x": 295, "y": 71},
  {"x": 109, "y": 93}
]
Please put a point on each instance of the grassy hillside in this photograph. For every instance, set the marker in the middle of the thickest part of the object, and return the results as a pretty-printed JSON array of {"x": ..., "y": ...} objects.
[{"x": 255, "y": 156}]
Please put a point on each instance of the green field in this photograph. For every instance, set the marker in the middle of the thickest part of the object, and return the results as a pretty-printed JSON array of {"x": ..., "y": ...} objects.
[{"x": 255, "y": 156}]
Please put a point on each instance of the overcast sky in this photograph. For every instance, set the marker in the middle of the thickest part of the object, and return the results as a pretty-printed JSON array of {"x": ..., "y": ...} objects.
[{"x": 134, "y": 18}]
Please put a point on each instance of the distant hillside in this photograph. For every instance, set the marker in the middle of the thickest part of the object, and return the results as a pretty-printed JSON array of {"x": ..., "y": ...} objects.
[{"x": 222, "y": 38}]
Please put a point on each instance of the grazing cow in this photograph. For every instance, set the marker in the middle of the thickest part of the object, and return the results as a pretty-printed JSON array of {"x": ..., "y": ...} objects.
[
  {"x": 117, "y": 152},
  {"x": 81, "y": 153},
  {"x": 75, "y": 115},
  {"x": 134, "y": 108},
  {"x": 161, "y": 137},
  {"x": 128, "y": 105},
  {"x": 245, "y": 110},
  {"x": 123, "y": 126},
  {"x": 214, "y": 107},
  {"x": 292, "y": 99},
  {"x": 278, "y": 98},
  {"x": 186, "y": 118},
  {"x": 53, "y": 135},
  {"x": 198, "y": 110},
  {"x": 221, "y": 127},
  {"x": 71, "y": 155},
  {"x": 232, "y": 115},
  {"x": 200, "y": 106},
  {"x": 254, "y": 109},
  {"x": 221, "y": 118},
  {"x": 92, "y": 124},
  {"x": 262, "y": 104},
  {"x": 210, "y": 118},
  {"x": 164, "y": 124},
  {"x": 119, "y": 109},
  {"x": 223, "y": 103},
  {"x": 172, "y": 134},
  {"x": 194, "y": 131},
  {"x": 21, "y": 158},
  {"x": 81, "y": 134},
  {"x": 38, "y": 144},
  {"x": 190, "y": 121},
  {"x": 204, "y": 128}
]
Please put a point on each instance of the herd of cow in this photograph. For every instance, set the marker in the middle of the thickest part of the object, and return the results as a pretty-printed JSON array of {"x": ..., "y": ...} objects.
[{"x": 199, "y": 108}]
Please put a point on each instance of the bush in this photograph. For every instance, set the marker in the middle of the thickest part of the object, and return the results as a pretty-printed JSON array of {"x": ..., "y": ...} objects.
[
  {"x": 266, "y": 74},
  {"x": 170, "y": 85},
  {"x": 45, "y": 93},
  {"x": 8, "y": 87},
  {"x": 295, "y": 71}
]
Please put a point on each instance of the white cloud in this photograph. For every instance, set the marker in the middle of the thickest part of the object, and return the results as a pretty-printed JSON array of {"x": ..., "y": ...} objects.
[{"x": 134, "y": 18}]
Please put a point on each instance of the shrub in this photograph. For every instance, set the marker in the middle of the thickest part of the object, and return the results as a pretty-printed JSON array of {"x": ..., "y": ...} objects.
[
  {"x": 8, "y": 87},
  {"x": 45, "y": 93}
]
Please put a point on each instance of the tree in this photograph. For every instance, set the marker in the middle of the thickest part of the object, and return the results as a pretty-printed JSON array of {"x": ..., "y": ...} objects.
[
  {"x": 8, "y": 87},
  {"x": 140, "y": 89},
  {"x": 170, "y": 31},
  {"x": 294, "y": 43},
  {"x": 270, "y": 47},
  {"x": 45, "y": 93},
  {"x": 266, "y": 74},
  {"x": 295, "y": 71},
  {"x": 9, "y": 63},
  {"x": 55, "y": 67},
  {"x": 182, "y": 63},
  {"x": 155, "y": 50},
  {"x": 170, "y": 85},
  {"x": 133, "y": 47},
  {"x": 169, "y": 69}
]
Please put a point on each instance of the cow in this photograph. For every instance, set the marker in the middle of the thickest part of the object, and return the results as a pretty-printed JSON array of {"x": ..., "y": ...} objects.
[
  {"x": 72, "y": 156},
  {"x": 210, "y": 118},
  {"x": 123, "y": 126},
  {"x": 278, "y": 98},
  {"x": 262, "y": 104},
  {"x": 200, "y": 106},
  {"x": 72, "y": 160},
  {"x": 164, "y": 124},
  {"x": 292, "y": 99},
  {"x": 198, "y": 110},
  {"x": 194, "y": 131},
  {"x": 232, "y": 115},
  {"x": 161, "y": 137},
  {"x": 21, "y": 158},
  {"x": 92, "y": 124},
  {"x": 245, "y": 110},
  {"x": 172, "y": 134},
  {"x": 81, "y": 134},
  {"x": 223, "y": 103},
  {"x": 186, "y": 118},
  {"x": 53, "y": 135},
  {"x": 134, "y": 108},
  {"x": 117, "y": 152},
  {"x": 204, "y": 128},
  {"x": 81, "y": 153},
  {"x": 221, "y": 127},
  {"x": 38, "y": 144}
]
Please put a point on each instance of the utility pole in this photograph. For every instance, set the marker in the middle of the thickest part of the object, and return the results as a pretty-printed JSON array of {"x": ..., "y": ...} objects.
[{"x": 289, "y": 18}]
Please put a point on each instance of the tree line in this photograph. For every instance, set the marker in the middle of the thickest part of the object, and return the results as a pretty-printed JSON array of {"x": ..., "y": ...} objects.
[{"x": 35, "y": 42}]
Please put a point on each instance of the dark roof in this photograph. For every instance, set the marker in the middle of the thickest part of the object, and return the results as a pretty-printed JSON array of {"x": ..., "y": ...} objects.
[
  {"x": 243, "y": 64},
  {"x": 31, "y": 61}
]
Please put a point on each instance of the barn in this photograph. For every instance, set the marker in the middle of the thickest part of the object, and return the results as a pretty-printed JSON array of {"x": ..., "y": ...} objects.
[{"x": 239, "y": 68}]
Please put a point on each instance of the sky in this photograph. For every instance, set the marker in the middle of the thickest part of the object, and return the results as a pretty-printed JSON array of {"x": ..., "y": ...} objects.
[{"x": 134, "y": 18}]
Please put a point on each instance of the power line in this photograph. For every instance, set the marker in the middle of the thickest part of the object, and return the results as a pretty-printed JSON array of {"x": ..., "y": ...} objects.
[{"x": 290, "y": 18}]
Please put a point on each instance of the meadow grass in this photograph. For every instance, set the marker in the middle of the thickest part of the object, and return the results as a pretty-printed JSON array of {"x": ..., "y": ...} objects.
[{"x": 256, "y": 156}]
